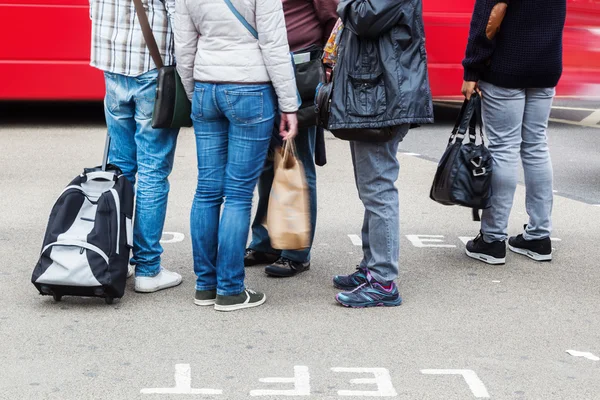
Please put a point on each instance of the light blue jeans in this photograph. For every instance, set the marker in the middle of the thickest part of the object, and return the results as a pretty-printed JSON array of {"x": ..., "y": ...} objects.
[
  {"x": 515, "y": 122},
  {"x": 233, "y": 125},
  {"x": 137, "y": 148},
  {"x": 376, "y": 169}
]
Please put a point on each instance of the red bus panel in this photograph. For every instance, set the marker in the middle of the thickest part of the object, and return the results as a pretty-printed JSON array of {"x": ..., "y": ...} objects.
[{"x": 46, "y": 46}]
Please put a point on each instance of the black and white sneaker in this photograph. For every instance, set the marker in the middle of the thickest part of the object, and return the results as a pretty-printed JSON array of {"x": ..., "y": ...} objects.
[
  {"x": 247, "y": 299},
  {"x": 491, "y": 253},
  {"x": 538, "y": 250}
]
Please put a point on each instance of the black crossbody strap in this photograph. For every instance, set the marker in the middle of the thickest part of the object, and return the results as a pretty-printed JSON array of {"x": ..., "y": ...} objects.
[{"x": 147, "y": 32}]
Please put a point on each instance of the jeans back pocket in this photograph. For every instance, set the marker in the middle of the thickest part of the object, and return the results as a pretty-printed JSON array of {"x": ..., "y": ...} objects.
[
  {"x": 365, "y": 95},
  {"x": 246, "y": 106}
]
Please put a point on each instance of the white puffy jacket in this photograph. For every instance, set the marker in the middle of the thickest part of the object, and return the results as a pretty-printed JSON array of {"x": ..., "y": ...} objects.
[{"x": 212, "y": 45}]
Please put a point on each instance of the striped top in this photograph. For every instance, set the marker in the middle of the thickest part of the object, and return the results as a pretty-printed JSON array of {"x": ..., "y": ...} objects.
[{"x": 118, "y": 45}]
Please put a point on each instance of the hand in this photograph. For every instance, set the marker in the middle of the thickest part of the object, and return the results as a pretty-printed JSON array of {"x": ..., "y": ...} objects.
[
  {"x": 288, "y": 128},
  {"x": 468, "y": 88}
]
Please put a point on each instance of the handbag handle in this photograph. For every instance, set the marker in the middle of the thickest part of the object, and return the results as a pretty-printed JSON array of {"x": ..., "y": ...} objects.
[
  {"x": 241, "y": 18},
  {"x": 469, "y": 116},
  {"x": 147, "y": 33}
]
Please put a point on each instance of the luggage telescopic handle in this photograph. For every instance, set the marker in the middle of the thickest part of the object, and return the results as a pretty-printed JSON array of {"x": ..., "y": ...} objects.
[{"x": 105, "y": 156}]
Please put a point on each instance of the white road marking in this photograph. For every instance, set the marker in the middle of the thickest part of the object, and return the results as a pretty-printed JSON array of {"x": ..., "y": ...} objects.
[
  {"x": 592, "y": 120},
  {"x": 556, "y": 239},
  {"x": 566, "y": 121},
  {"x": 465, "y": 239},
  {"x": 176, "y": 237},
  {"x": 301, "y": 381},
  {"x": 475, "y": 384},
  {"x": 583, "y": 354},
  {"x": 355, "y": 240},
  {"x": 423, "y": 240},
  {"x": 183, "y": 384},
  {"x": 411, "y": 154},
  {"x": 382, "y": 379},
  {"x": 495, "y": 281}
]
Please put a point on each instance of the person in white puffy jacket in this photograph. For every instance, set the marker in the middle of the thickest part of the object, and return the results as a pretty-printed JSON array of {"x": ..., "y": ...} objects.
[{"x": 237, "y": 83}]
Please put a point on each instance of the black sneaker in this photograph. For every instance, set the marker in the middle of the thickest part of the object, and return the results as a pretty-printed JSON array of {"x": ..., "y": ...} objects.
[
  {"x": 285, "y": 268},
  {"x": 538, "y": 250},
  {"x": 247, "y": 299},
  {"x": 253, "y": 257},
  {"x": 205, "y": 297},
  {"x": 491, "y": 253}
]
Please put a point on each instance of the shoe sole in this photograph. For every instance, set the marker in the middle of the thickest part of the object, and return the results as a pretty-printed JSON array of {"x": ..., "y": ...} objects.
[
  {"x": 204, "y": 302},
  {"x": 278, "y": 275},
  {"x": 486, "y": 258},
  {"x": 368, "y": 305},
  {"x": 235, "y": 307},
  {"x": 156, "y": 289},
  {"x": 531, "y": 254}
]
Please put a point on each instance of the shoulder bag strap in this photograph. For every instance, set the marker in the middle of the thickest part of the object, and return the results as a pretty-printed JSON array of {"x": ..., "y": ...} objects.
[
  {"x": 240, "y": 18},
  {"x": 147, "y": 32}
]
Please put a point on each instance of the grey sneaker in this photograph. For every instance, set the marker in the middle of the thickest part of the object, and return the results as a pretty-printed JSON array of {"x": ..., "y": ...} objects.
[
  {"x": 247, "y": 299},
  {"x": 205, "y": 297}
]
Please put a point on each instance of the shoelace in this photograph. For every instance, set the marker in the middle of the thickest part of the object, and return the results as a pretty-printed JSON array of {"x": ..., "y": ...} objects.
[{"x": 250, "y": 290}]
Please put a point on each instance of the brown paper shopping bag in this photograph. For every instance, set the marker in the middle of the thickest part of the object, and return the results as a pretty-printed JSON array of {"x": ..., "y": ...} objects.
[{"x": 288, "y": 218}]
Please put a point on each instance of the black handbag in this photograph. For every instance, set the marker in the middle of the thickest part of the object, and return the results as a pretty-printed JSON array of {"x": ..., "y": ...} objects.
[
  {"x": 309, "y": 75},
  {"x": 323, "y": 101},
  {"x": 464, "y": 172},
  {"x": 172, "y": 108}
]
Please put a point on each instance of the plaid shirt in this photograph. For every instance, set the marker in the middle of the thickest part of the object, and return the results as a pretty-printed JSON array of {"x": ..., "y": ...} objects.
[{"x": 118, "y": 45}]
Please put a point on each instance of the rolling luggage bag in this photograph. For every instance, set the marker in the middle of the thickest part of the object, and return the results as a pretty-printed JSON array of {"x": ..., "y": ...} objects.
[{"x": 89, "y": 237}]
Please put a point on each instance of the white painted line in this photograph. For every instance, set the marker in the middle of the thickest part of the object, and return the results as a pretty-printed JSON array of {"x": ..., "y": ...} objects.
[
  {"x": 583, "y": 354},
  {"x": 593, "y": 119},
  {"x": 382, "y": 379},
  {"x": 183, "y": 384},
  {"x": 477, "y": 387},
  {"x": 176, "y": 237},
  {"x": 301, "y": 381},
  {"x": 465, "y": 239},
  {"x": 556, "y": 239},
  {"x": 355, "y": 240},
  {"x": 495, "y": 281},
  {"x": 411, "y": 154},
  {"x": 425, "y": 240},
  {"x": 596, "y": 205},
  {"x": 565, "y": 121}
]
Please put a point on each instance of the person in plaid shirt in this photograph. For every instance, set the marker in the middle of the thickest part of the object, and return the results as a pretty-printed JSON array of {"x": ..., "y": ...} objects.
[{"x": 119, "y": 49}]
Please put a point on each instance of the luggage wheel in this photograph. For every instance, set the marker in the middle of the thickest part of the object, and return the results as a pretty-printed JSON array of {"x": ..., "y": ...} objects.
[
  {"x": 57, "y": 297},
  {"x": 109, "y": 300}
]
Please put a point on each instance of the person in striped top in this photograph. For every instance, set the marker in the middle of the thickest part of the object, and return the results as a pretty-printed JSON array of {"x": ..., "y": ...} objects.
[{"x": 145, "y": 155}]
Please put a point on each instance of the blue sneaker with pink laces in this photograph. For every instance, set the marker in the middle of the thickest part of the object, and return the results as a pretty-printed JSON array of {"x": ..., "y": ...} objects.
[
  {"x": 371, "y": 294},
  {"x": 352, "y": 281}
]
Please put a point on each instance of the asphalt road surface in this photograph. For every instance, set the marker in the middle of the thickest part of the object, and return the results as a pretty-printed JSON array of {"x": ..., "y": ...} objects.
[{"x": 466, "y": 330}]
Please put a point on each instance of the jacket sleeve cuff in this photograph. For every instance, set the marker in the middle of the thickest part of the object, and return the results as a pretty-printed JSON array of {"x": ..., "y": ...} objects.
[{"x": 471, "y": 75}]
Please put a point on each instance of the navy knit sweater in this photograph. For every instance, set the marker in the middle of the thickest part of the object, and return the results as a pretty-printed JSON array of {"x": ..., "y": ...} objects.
[{"x": 526, "y": 53}]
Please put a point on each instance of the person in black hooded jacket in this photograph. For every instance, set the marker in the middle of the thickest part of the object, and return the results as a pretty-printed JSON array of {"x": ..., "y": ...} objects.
[{"x": 380, "y": 81}]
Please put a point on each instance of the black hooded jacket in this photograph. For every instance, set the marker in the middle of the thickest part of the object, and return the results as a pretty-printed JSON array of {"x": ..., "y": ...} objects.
[{"x": 380, "y": 78}]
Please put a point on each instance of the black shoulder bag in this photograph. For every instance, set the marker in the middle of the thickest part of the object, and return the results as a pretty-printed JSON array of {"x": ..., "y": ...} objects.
[
  {"x": 464, "y": 172},
  {"x": 172, "y": 108}
]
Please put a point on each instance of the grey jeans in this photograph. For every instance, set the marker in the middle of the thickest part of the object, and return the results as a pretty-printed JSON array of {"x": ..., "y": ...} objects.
[
  {"x": 376, "y": 169},
  {"x": 515, "y": 122}
]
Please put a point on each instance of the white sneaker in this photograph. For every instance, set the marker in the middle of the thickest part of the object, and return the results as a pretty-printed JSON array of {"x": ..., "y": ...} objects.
[
  {"x": 164, "y": 280},
  {"x": 130, "y": 270}
]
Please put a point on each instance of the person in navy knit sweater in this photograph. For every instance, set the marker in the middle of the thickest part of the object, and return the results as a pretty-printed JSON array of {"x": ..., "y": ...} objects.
[{"x": 514, "y": 61}]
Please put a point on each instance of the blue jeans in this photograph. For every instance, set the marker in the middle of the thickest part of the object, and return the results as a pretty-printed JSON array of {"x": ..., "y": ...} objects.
[
  {"x": 305, "y": 145},
  {"x": 515, "y": 122},
  {"x": 139, "y": 149},
  {"x": 233, "y": 125},
  {"x": 376, "y": 170}
]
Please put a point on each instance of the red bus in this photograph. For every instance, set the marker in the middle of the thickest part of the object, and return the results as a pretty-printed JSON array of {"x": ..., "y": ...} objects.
[{"x": 46, "y": 45}]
